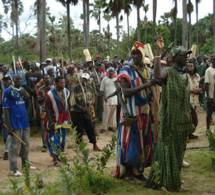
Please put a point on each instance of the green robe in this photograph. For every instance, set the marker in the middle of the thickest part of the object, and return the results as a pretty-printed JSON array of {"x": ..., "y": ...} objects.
[{"x": 175, "y": 123}]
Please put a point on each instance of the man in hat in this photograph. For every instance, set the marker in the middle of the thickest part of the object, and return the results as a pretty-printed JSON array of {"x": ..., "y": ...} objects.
[
  {"x": 81, "y": 100},
  {"x": 175, "y": 122},
  {"x": 135, "y": 140},
  {"x": 110, "y": 105},
  {"x": 209, "y": 89},
  {"x": 97, "y": 76}
]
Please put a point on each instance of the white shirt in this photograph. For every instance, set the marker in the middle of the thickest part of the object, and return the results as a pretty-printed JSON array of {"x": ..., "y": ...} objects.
[
  {"x": 108, "y": 87},
  {"x": 210, "y": 78},
  {"x": 194, "y": 84}
]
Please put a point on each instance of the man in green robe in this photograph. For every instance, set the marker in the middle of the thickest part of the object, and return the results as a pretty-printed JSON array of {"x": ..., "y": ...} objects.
[{"x": 175, "y": 122}]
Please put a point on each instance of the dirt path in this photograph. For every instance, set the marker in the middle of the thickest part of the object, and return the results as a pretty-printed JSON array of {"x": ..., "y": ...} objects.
[{"x": 44, "y": 162}]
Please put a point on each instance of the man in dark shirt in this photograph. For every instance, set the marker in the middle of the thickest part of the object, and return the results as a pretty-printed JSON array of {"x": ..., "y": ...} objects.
[
  {"x": 81, "y": 99},
  {"x": 32, "y": 78}
]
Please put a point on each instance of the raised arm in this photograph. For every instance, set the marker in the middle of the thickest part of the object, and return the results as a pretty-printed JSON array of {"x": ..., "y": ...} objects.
[{"x": 158, "y": 73}]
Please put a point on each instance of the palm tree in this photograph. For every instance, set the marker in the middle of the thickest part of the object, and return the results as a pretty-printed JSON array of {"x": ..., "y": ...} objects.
[
  {"x": 115, "y": 6},
  {"x": 189, "y": 11},
  {"x": 138, "y": 4},
  {"x": 146, "y": 9},
  {"x": 41, "y": 24},
  {"x": 96, "y": 13},
  {"x": 153, "y": 26},
  {"x": 173, "y": 13},
  {"x": 197, "y": 21},
  {"x": 165, "y": 19},
  {"x": 108, "y": 34},
  {"x": 66, "y": 3},
  {"x": 184, "y": 25},
  {"x": 127, "y": 10},
  {"x": 86, "y": 25},
  {"x": 16, "y": 7}
]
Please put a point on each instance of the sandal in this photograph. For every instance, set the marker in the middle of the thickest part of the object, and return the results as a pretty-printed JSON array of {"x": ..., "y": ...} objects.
[
  {"x": 96, "y": 148},
  {"x": 132, "y": 180},
  {"x": 57, "y": 164},
  {"x": 141, "y": 177}
]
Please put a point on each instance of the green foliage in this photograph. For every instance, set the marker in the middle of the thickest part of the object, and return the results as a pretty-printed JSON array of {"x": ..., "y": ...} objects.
[
  {"x": 211, "y": 140},
  {"x": 156, "y": 174}
]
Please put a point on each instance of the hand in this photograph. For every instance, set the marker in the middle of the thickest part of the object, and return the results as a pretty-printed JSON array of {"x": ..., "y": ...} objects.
[
  {"x": 10, "y": 130},
  {"x": 105, "y": 98},
  {"x": 152, "y": 82},
  {"x": 160, "y": 41},
  {"x": 84, "y": 109},
  {"x": 52, "y": 126},
  {"x": 88, "y": 103},
  {"x": 23, "y": 92},
  {"x": 209, "y": 100}
]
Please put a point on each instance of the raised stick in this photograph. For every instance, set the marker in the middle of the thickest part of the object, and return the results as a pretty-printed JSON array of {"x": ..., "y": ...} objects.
[
  {"x": 62, "y": 63},
  {"x": 14, "y": 65}
]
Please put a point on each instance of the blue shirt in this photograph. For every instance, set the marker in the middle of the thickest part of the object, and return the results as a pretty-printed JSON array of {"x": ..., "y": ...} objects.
[
  {"x": 17, "y": 110},
  {"x": 19, "y": 72}
]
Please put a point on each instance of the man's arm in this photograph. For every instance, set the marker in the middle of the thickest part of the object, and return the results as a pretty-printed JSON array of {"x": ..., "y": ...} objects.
[
  {"x": 158, "y": 73},
  {"x": 128, "y": 91},
  {"x": 48, "y": 107},
  {"x": 7, "y": 116}
]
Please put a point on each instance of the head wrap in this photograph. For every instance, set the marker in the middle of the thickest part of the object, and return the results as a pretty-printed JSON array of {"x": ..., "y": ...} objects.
[
  {"x": 48, "y": 67},
  {"x": 85, "y": 76},
  {"x": 110, "y": 68},
  {"x": 138, "y": 47}
]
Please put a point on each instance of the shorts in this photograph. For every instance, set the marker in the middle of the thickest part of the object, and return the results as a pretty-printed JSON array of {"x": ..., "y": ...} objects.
[{"x": 210, "y": 107}]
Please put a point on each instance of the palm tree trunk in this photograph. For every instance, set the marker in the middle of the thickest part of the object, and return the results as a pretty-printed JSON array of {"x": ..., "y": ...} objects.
[
  {"x": 138, "y": 23},
  {"x": 41, "y": 23},
  {"x": 108, "y": 28},
  {"x": 214, "y": 22},
  {"x": 128, "y": 32},
  {"x": 175, "y": 23},
  {"x": 153, "y": 27},
  {"x": 184, "y": 25},
  {"x": 88, "y": 24},
  {"x": 145, "y": 21},
  {"x": 100, "y": 46},
  {"x": 16, "y": 23},
  {"x": 197, "y": 25},
  {"x": 84, "y": 25},
  {"x": 117, "y": 28},
  {"x": 189, "y": 30},
  {"x": 68, "y": 30}
]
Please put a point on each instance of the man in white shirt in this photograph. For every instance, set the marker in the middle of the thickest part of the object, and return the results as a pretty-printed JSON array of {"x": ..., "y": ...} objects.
[
  {"x": 109, "y": 113},
  {"x": 209, "y": 88}
]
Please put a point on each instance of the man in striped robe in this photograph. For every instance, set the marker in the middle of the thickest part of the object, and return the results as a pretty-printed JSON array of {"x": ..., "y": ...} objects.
[
  {"x": 135, "y": 142},
  {"x": 57, "y": 118}
]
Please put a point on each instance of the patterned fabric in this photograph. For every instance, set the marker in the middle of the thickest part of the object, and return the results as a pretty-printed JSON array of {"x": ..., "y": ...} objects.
[
  {"x": 138, "y": 103},
  {"x": 135, "y": 143},
  {"x": 175, "y": 123},
  {"x": 71, "y": 81},
  {"x": 59, "y": 113},
  {"x": 194, "y": 84}
]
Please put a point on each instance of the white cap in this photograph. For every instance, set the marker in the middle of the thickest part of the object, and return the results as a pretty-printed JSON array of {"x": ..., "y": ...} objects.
[
  {"x": 85, "y": 75},
  {"x": 147, "y": 61},
  {"x": 38, "y": 64},
  {"x": 49, "y": 59}
]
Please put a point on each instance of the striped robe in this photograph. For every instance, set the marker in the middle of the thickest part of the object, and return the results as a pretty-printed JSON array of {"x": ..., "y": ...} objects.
[
  {"x": 60, "y": 115},
  {"x": 135, "y": 143}
]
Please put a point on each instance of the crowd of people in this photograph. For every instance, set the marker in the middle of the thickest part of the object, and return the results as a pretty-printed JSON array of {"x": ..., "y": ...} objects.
[{"x": 121, "y": 94}]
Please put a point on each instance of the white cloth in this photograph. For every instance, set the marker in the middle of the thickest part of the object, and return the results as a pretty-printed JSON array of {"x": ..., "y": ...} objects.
[
  {"x": 210, "y": 78},
  {"x": 109, "y": 116},
  {"x": 194, "y": 84},
  {"x": 108, "y": 87}
]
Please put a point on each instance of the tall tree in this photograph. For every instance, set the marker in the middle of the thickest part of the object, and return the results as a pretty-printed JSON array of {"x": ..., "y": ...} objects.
[
  {"x": 16, "y": 8},
  {"x": 66, "y": 3},
  {"x": 214, "y": 22},
  {"x": 189, "y": 11},
  {"x": 184, "y": 25},
  {"x": 173, "y": 13},
  {"x": 197, "y": 23},
  {"x": 146, "y": 9},
  {"x": 115, "y": 7},
  {"x": 165, "y": 19},
  {"x": 86, "y": 21},
  {"x": 107, "y": 33},
  {"x": 127, "y": 10},
  {"x": 41, "y": 25},
  {"x": 154, "y": 22},
  {"x": 138, "y": 4},
  {"x": 96, "y": 13}
]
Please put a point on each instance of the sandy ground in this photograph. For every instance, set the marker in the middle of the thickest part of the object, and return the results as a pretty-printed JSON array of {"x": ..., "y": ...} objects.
[{"x": 42, "y": 161}]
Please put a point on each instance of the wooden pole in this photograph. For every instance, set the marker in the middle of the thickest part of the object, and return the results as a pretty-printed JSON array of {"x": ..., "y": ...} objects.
[
  {"x": 14, "y": 65},
  {"x": 62, "y": 64},
  {"x": 15, "y": 135},
  {"x": 34, "y": 111}
]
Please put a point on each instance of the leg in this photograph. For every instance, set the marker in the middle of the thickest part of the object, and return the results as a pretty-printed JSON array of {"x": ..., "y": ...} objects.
[
  {"x": 105, "y": 118},
  {"x": 112, "y": 116},
  {"x": 30, "y": 110},
  {"x": 209, "y": 110},
  {"x": 25, "y": 148},
  {"x": 14, "y": 148},
  {"x": 100, "y": 107},
  {"x": 78, "y": 122},
  {"x": 43, "y": 131}
]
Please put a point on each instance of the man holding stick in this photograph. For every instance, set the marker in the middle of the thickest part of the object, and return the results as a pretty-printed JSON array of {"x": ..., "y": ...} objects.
[{"x": 14, "y": 104}]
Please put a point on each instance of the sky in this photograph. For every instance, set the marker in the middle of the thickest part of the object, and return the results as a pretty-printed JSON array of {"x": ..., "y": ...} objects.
[{"x": 57, "y": 10}]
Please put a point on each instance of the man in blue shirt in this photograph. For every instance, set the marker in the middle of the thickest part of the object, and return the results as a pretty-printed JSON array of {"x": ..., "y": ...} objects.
[{"x": 14, "y": 100}]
